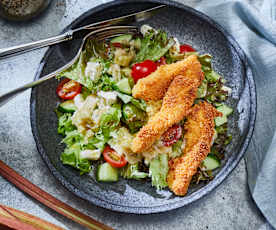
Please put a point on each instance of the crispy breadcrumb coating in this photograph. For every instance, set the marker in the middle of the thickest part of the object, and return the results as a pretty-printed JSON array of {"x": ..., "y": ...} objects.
[
  {"x": 176, "y": 105},
  {"x": 199, "y": 133},
  {"x": 154, "y": 86}
]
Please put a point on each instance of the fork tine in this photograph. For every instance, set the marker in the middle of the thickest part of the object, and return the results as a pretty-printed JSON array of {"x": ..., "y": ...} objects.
[
  {"x": 112, "y": 32},
  {"x": 109, "y": 34}
]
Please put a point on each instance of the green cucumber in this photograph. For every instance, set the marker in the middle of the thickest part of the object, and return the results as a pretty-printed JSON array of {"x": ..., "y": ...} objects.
[
  {"x": 67, "y": 106},
  {"x": 226, "y": 110},
  {"x": 107, "y": 173},
  {"x": 122, "y": 39},
  {"x": 220, "y": 120},
  {"x": 211, "y": 162},
  {"x": 123, "y": 86}
]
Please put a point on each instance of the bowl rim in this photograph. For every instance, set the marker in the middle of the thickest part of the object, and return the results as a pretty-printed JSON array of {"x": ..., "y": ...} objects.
[{"x": 220, "y": 177}]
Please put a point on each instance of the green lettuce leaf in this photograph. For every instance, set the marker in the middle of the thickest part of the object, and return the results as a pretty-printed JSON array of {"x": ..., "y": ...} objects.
[
  {"x": 131, "y": 171},
  {"x": 76, "y": 72},
  {"x": 73, "y": 137},
  {"x": 176, "y": 149},
  {"x": 140, "y": 104},
  {"x": 154, "y": 45},
  {"x": 206, "y": 62},
  {"x": 158, "y": 171},
  {"x": 65, "y": 124},
  {"x": 202, "y": 89},
  {"x": 110, "y": 120},
  {"x": 71, "y": 157},
  {"x": 96, "y": 142}
]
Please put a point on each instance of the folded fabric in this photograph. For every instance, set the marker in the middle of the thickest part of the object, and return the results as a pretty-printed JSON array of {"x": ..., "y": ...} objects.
[{"x": 253, "y": 25}]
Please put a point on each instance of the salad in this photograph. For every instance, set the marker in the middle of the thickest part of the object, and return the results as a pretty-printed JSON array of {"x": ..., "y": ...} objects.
[{"x": 99, "y": 116}]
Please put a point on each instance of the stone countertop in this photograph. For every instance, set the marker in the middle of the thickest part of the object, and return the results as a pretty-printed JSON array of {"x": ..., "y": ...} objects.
[{"x": 227, "y": 207}]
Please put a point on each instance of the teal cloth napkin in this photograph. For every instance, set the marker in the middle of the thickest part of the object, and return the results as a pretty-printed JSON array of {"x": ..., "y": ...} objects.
[{"x": 253, "y": 25}]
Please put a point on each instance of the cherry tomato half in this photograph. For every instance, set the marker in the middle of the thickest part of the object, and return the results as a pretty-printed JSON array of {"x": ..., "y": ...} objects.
[
  {"x": 117, "y": 44},
  {"x": 161, "y": 61},
  {"x": 172, "y": 135},
  {"x": 113, "y": 158},
  {"x": 68, "y": 89},
  {"x": 186, "y": 48},
  {"x": 142, "y": 69}
]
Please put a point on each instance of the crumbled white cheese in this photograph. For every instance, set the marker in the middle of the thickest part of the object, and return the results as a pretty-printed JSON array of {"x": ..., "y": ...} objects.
[
  {"x": 115, "y": 71},
  {"x": 93, "y": 70},
  {"x": 82, "y": 117},
  {"x": 102, "y": 107},
  {"x": 176, "y": 45},
  {"x": 78, "y": 101},
  {"x": 109, "y": 96},
  {"x": 90, "y": 154},
  {"x": 227, "y": 89},
  {"x": 145, "y": 29}
]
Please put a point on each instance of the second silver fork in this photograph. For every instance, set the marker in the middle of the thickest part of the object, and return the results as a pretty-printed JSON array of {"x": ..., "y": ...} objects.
[{"x": 100, "y": 34}]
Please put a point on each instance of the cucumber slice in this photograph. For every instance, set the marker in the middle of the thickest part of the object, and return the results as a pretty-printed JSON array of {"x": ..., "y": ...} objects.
[
  {"x": 211, "y": 162},
  {"x": 123, "y": 86},
  {"x": 67, "y": 106},
  {"x": 124, "y": 39},
  {"x": 107, "y": 173},
  {"x": 226, "y": 110},
  {"x": 220, "y": 120}
]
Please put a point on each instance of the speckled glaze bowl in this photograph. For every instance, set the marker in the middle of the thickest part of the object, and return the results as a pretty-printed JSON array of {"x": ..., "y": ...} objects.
[{"x": 189, "y": 26}]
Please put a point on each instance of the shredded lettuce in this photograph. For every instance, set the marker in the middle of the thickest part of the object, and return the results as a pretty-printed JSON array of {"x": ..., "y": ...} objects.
[
  {"x": 202, "y": 89},
  {"x": 73, "y": 137},
  {"x": 154, "y": 45},
  {"x": 65, "y": 124},
  {"x": 206, "y": 62},
  {"x": 131, "y": 171},
  {"x": 110, "y": 120},
  {"x": 176, "y": 149},
  {"x": 71, "y": 156},
  {"x": 158, "y": 171},
  {"x": 140, "y": 104},
  {"x": 133, "y": 117},
  {"x": 76, "y": 72}
]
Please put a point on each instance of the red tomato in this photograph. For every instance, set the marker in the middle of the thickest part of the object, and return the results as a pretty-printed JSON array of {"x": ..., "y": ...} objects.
[
  {"x": 113, "y": 158},
  {"x": 161, "y": 61},
  {"x": 186, "y": 48},
  {"x": 172, "y": 135},
  {"x": 143, "y": 69},
  {"x": 68, "y": 89},
  {"x": 117, "y": 44}
]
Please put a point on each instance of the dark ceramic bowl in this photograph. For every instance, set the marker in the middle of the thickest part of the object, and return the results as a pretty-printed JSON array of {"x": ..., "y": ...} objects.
[{"x": 189, "y": 26}]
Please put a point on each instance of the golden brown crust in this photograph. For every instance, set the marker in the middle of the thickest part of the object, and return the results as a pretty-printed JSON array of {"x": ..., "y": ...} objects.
[
  {"x": 154, "y": 86},
  {"x": 176, "y": 104},
  {"x": 199, "y": 134}
]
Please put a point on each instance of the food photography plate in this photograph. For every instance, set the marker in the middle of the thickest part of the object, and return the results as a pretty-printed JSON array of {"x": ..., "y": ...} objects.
[{"x": 130, "y": 196}]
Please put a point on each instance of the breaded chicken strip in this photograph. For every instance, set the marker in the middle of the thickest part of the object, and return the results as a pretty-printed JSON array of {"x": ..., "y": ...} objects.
[
  {"x": 199, "y": 134},
  {"x": 176, "y": 104},
  {"x": 154, "y": 86}
]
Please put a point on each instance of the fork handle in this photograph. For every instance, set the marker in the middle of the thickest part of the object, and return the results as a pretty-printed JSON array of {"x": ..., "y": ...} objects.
[{"x": 15, "y": 50}]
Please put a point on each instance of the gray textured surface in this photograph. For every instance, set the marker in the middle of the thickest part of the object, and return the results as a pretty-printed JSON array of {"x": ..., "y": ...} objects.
[{"x": 228, "y": 207}]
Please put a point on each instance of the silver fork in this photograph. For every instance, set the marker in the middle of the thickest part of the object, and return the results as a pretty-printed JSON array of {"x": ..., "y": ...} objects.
[{"x": 100, "y": 34}]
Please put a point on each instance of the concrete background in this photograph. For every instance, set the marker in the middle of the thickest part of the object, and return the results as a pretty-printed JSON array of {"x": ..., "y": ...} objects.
[{"x": 228, "y": 207}]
